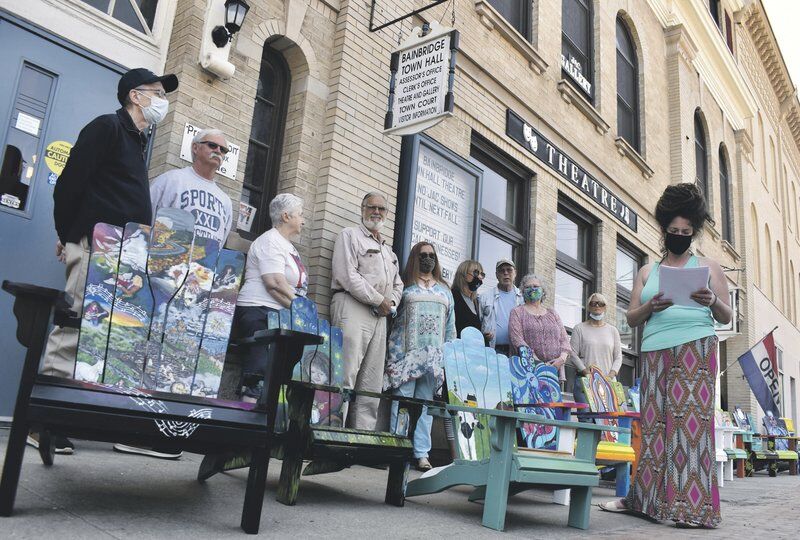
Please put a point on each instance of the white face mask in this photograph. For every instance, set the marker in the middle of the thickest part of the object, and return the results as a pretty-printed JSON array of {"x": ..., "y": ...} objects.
[
  {"x": 156, "y": 111},
  {"x": 597, "y": 316}
]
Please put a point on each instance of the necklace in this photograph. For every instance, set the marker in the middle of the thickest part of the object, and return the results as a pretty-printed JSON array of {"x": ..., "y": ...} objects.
[{"x": 426, "y": 281}]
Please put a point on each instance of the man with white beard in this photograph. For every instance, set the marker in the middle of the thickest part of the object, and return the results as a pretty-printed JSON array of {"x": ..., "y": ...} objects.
[{"x": 367, "y": 288}]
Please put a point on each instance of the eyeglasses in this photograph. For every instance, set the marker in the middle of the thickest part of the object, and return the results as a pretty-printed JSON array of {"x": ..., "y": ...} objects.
[
  {"x": 424, "y": 256},
  {"x": 373, "y": 208},
  {"x": 505, "y": 270},
  {"x": 160, "y": 93},
  {"x": 214, "y": 146},
  {"x": 478, "y": 274},
  {"x": 595, "y": 303}
]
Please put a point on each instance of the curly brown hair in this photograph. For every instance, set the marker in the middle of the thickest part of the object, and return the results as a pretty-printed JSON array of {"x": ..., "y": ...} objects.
[{"x": 684, "y": 200}]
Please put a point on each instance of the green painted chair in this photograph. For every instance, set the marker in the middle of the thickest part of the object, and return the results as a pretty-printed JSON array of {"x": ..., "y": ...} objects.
[
  {"x": 480, "y": 395},
  {"x": 778, "y": 439},
  {"x": 760, "y": 455}
]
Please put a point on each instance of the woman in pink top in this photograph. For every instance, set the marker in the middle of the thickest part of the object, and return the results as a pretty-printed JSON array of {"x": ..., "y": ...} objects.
[{"x": 539, "y": 328}]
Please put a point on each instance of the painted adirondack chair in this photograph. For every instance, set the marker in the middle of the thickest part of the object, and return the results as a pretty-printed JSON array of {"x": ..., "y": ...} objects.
[
  {"x": 778, "y": 439},
  {"x": 480, "y": 396},
  {"x": 743, "y": 440},
  {"x": 723, "y": 438},
  {"x": 309, "y": 426},
  {"x": 760, "y": 455},
  {"x": 737, "y": 456},
  {"x": 607, "y": 407},
  {"x": 153, "y": 335},
  {"x": 789, "y": 423}
]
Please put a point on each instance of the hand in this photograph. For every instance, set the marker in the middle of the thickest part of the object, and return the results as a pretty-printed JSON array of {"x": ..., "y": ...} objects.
[
  {"x": 704, "y": 297},
  {"x": 385, "y": 308},
  {"x": 585, "y": 372},
  {"x": 658, "y": 303},
  {"x": 489, "y": 335},
  {"x": 61, "y": 253},
  {"x": 612, "y": 374},
  {"x": 557, "y": 363}
]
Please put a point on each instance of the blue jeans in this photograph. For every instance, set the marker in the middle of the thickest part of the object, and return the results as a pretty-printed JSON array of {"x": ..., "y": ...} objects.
[{"x": 421, "y": 388}]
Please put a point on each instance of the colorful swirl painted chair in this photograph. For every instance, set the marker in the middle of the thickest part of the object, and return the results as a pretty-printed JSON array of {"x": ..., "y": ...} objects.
[
  {"x": 778, "y": 439},
  {"x": 480, "y": 403},
  {"x": 607, "y": 406}
]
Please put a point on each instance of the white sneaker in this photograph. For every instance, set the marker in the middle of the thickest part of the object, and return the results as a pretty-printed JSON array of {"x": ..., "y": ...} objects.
[{"x": 161, "y": 453}]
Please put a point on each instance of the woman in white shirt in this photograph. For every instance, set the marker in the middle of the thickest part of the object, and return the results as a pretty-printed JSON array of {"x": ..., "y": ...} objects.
[
  {"x": 274, "y": 276},
  {"x": 595, "y": 343}
]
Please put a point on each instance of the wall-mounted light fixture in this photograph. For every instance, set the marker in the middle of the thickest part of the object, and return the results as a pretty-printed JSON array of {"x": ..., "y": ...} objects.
[{"x": 235, "y": 12}]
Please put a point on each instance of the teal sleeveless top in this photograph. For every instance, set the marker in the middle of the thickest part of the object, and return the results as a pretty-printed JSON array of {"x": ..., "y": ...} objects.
[{"x": 675, "y": 325}]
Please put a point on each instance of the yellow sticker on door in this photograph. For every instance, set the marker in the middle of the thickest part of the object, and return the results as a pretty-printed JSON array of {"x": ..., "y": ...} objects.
[{"x": 56, "y": 154}]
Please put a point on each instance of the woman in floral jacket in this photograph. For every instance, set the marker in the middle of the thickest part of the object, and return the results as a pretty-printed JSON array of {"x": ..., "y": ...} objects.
[{"x": 425, "y": 320}]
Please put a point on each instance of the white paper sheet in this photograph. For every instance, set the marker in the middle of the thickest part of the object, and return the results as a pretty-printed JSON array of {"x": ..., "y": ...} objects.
[{"x": 678, "y": 284}]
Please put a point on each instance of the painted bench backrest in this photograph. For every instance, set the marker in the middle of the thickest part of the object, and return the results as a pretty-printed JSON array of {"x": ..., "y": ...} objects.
[
  {"x": 476, "y": 376},
  {"x": 776, "y": 426},
  {"x": 320, "y": 364},
  {"x": 536, "y": 383},
  {"x": 158, "y": 307}
]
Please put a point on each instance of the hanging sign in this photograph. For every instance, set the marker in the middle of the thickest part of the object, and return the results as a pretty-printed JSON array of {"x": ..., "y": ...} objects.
[
  {"x": 421, "y": 83},
  {"x": 536, "y": 143},
  {"x": 573, "y": 68},
  {"x": 230, "y": 162}
]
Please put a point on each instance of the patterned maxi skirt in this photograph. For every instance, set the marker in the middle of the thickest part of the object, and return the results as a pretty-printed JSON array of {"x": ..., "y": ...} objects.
[{"x": 677, "y": 474}]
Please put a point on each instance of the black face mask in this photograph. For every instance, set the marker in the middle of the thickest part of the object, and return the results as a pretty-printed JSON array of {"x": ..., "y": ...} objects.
[
  {"x": 427, "y": 265},
  {"x": 677, "y": 243},
  {"x": 475, "y": 285}
]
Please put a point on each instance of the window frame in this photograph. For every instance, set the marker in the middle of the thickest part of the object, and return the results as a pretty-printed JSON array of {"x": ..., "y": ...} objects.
[
  {"x": 585, "y": 272},
  {"x": 489, "y": 156},
  {"x": 590, "y": 71},
  {"x": 524, "y": 24},
  {"x": 725, "y": 196},
  {"x": 701, "y": 144},
  {"x": 635, "y": 107},
  {"x": 625, "y": 296}
]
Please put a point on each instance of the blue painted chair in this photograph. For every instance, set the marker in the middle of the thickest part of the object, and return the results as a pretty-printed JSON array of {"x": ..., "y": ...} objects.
[{"x": 480, "y": 402}]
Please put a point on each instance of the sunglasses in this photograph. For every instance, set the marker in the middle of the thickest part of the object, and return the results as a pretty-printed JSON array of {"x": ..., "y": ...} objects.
[
  {"x": 214, "y": 146},
  {"x": 373, "y": 208},
  {"x": 595, "y": 303},
  {"x": 424, "y": 256},
  {"x": 478, "y": 274}
]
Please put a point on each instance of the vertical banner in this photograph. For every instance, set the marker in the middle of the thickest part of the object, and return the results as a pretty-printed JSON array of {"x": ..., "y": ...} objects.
[
  {"x": 437, "y": 202},
  {"x": 760, "y": 367}
]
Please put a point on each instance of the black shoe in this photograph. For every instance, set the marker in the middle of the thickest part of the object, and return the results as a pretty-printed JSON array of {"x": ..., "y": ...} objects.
[
  {"x": 63, "y": 445},
  {"x": 156, "y": 452}
]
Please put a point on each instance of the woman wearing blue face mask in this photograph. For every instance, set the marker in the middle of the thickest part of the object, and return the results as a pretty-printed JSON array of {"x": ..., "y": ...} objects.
[
  {"x": 539, "y": 328},
  {"x": 595, "y": 343}
]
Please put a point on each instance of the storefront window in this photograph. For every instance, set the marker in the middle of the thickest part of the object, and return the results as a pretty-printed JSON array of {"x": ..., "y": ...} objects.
[
  {"x": 504, "y": 191},
  {"x": 574, "y": 263},
  {"x": 138, "y": 14}
]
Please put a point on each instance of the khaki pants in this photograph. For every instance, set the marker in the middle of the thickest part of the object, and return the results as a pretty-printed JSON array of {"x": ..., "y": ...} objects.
[
  {"x": 364, "y": 353},
  {"x": 62, "y": 345}
]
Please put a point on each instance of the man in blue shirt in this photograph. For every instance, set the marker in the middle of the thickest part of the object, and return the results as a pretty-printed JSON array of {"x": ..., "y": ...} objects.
[{"x": 496, "y": 305}]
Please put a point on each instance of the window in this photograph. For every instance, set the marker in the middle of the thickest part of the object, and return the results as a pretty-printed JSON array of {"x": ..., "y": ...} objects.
[
  {"x": 728, "y": 32},
  {"x": 793, "y": 392},
  {"x": 138, "y": 14},
  {"x": 629, "y": 261},
  {"x": 576, "y": 44},
  {"x": 725, "y": 202},
  {"x": 782, "y": 393},
  {"x": 713, "y": 9},
  {"x": 260, "y": 184},
  {"x": 700, "y": 158},
  {"x": 504, "y": 219},
  {"x": 627, "y": 87},
  {"x": 517, "y": 13},
  {"x": 22, "y": 150},
  {"x": 574, "y": 263}
]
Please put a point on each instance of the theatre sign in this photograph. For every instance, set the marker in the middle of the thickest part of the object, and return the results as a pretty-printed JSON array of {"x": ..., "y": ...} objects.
[
  {"x": 535, "y": 143},
  {"x": 421, "y": 83}
]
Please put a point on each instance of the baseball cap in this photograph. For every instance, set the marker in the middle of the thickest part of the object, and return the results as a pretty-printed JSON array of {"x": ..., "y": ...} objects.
[
  {"x": 501, "y": 262},
  {"x": 139, "y": 76}
]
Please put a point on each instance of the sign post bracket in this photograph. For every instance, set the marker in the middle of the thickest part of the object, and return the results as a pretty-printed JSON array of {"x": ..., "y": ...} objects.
[{"x": 373, "y": 28}]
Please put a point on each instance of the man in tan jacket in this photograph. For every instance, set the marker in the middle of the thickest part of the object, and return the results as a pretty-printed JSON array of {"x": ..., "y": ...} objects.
[{"x": 367, "y": 288}]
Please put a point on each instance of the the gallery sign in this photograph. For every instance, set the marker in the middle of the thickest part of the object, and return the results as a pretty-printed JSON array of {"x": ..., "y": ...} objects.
[
  {"x": 538, "y": 145},
  {"x": 421, "y": 83}
]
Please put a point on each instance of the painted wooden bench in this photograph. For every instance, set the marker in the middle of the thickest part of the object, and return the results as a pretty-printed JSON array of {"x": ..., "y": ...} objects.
[
  {"x": 153, "y": 335},
  {"x": 789, "y": 423},
  {"x": 607, "y": 406},
  {"x": 480, "y": 403},
  {"x": 310, "y": 417},
  {"x": 778, "y": 439},
  {"x": 759, "y": 454}
]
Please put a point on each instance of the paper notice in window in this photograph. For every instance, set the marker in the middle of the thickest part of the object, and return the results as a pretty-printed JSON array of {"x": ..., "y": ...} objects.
[
  {"x": 247, "y": 214},
  {"x": 678, "y": 284}
]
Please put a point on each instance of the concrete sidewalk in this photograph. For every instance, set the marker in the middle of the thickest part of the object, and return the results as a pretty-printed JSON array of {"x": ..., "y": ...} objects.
[{"x": 98, "y": 493}]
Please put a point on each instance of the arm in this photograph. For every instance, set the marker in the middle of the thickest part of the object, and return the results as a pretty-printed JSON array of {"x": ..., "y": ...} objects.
[
  {"x": 575, "y": 342},
  {"x": 345, "y": 269},
  {"x": 565, "y": 346},
  {"x": 157, "y": 193},
  {"x": 515, "y": 336},
  {"x": 397, "y": 287},
  {"x": 450, "y": 325},
  {"x": 638, "y": 313},
  {"x": 279, "y": 288},
  {"x": 617, "y": 354},
  {"x": 717, "y": 296},
  {"x": 84, "y": 160}
]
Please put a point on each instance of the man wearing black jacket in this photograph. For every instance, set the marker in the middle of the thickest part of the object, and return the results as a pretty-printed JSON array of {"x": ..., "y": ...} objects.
[{"x": 104, "y": 181}]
